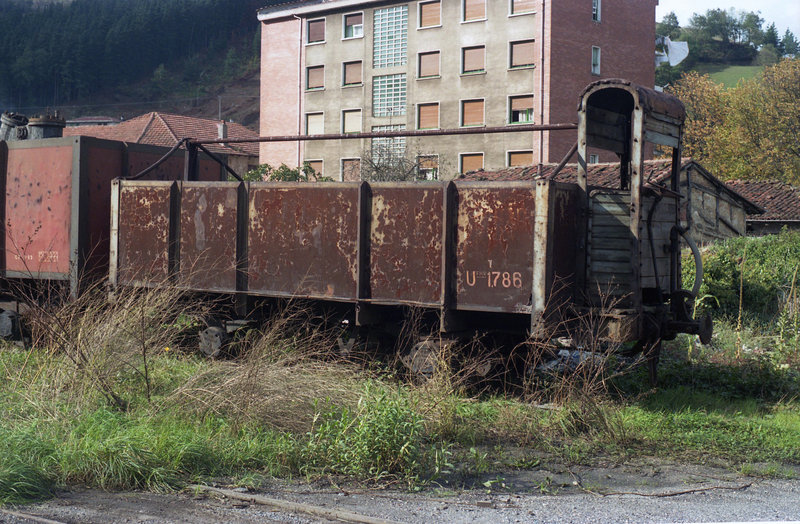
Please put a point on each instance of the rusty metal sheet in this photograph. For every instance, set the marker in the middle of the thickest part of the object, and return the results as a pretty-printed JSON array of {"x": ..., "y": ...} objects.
[
  {"x": 142, "y": 156},
  {"x": 144, "y": 223},
  {"x": 302, "y": 240},
  {"x": 208, "y": 235},
  {"x": 494, "y": 246},
  {"x": 103, "y": 162},
  {"x": 566, "y": 247},
  {"x": 406, "y": 243},
  {"x": 38, "y": 210}
]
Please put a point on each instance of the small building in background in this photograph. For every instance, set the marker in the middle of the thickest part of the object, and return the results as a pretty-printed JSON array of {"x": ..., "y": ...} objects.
[
  {"x": 780, "y": 201},
  {"x": 711, "y": 209},
  {"x": 166, "y": 130},
  {"x": 94, "y": 121}
]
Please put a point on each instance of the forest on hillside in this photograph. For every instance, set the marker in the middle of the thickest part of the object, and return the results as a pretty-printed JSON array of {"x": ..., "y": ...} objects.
[
  {"x": 725, "y": 37},
  {"x": 58, "y": 52}
]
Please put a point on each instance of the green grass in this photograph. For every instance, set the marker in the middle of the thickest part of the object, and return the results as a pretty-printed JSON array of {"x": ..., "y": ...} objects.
[{"x": 728, "y": 75}]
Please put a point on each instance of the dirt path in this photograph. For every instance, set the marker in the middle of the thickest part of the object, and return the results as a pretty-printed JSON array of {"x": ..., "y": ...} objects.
[{"x": 642, "y": 491}]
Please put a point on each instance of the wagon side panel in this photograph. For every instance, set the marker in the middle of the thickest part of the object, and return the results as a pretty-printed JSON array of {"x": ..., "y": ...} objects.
[
  {"x": 302, "y": 240},
  {"x": 406, "y": 244},
  {"x": 494, "y": 247}
]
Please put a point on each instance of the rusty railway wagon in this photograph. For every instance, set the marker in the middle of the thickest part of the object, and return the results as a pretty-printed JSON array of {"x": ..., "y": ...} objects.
[{"x": 522, "y": 256}]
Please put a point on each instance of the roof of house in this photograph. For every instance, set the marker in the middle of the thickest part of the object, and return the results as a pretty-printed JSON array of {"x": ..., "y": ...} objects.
[
  {"x": 607, "y": 175},
  {"x": 781, "y": 201},
  {"x": 165, "y": 129}
]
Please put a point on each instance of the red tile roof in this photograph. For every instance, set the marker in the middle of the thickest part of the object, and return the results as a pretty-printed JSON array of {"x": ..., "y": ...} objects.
[
  {"x": 781, "y": 201},
  {"x": 164, "y": 129},
  {"x": 604, "y": 175}
]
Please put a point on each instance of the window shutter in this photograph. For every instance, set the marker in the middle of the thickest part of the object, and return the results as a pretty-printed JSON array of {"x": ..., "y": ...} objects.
[
  {"x": 429, "y": 64},
  {"x": 428, "y": 162},
  {"x": 521, "y": 6},
  {"x": 471, "y": 162},
  {"x": 472, "y": 113},
  {"x": 316, "y": 31},
  {"x": 352, "y": 121},
  {"x": 520, "y": 158},
  {"x": 315, "y": 77},
  {"x": 316, "y": 165},
  {"x": 522, "y": 54},
  {"x": 474, "y": 59},
  {"x": 521, "y": 103},
  {"x": 314, "y": 124},
  {"x": 351, "y": 170},
  {"x": 430, "y": 14},
  {"x": 428, "y": 116},
  {"x": 474, "y": 9},
  {"x": 356, "y": 19},
  {"x": 352, "y": 73}
]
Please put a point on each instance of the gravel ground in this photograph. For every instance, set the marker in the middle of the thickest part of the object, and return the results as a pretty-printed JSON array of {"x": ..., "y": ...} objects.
[{"x": 646, "y": 491}]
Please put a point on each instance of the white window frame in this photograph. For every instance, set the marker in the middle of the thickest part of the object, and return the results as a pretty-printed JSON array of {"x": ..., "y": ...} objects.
[
  {"x": 311, "y": 113},
  {"x": 594, "y": 158},
  {"x": 421, "y": 171},
  {"x": 438, "y": 119},
  {"x": 461, "y": 159},
  {"x": 341, "y": 166},
  {"x": 461, "y": 112},
  {"x": 597, "y": 7},
  {"x": 344, "y": 26},
  {"x": 478, "y": 72},
  {"x": 512, "y": 13},
  {"x": 596, "y": 70},
  {"x": 419, "y": 70},
  {"x": 321, "y": 172},
  {"x": 419, "y": 15},
  {"x": 508, "y": 109},
  {"x": 510, "y": 151},
  {"x": 308, "y": 21},
  {"x": 352, "y": 110},
  {"x": 464, "y": 12}
]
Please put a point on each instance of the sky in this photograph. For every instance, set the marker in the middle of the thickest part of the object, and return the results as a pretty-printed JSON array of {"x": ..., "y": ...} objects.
[{"x": 784, "y": 13}]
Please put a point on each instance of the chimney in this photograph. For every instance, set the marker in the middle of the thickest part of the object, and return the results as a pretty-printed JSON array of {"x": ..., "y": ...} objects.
[
  {"x": 222, "y": 130},
  {"x": 46, "y": 126}
]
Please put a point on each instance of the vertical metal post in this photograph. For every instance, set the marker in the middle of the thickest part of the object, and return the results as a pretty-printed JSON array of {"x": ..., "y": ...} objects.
[
  {"x": 113, "y": 262},
  {"x": 174, "y": 241},
  {"x": 3, "y": 176},
  {"x": 636, "y": 223},
  {"x": 675, "y": 250},
  {"x": 542, "y": 257},
  {"x": 583, "y": 209},
  {"x": 364, "y": 312},
  {"x": 448, "y": 320},
  {"x": 190, "y": 167},
  {"x": 242, "y": 225}
]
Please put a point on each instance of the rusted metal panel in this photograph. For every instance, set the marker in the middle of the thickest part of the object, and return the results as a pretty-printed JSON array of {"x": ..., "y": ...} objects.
[
  {"x": 494, "y": 246},
  {"x": 38, "y": 209},
  {"x": 142, "y": 156},
  {"x": 406, "y": 243},
  {"x": 208, "y": 222},
  {"x": 302, "y": 240},
  {"x": 144, "y": 232},
  {"x": 103, "y": 162}
]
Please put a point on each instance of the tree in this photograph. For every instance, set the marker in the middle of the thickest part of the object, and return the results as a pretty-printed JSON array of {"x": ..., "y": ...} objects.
[
  {"x": 791, "y": 48},
  {"x": 750, "y": 24},
  {"x": 284, "y": 173},
  {"x": 771, "y": 36},
  {"x": 669, "y": 26}
]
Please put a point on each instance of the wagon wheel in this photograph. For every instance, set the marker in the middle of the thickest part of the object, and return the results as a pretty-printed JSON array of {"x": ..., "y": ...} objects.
[
  {"x": 213, "y": 341},
  {"x": 421, "y": 360}
]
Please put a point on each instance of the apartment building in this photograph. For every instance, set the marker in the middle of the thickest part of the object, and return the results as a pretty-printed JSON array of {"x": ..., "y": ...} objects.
[{"x": 344, "y": 66}]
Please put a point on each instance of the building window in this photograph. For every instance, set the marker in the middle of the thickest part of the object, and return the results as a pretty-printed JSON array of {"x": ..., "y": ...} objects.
[
  {"x": 351, "y": 121},
  {"x": 390, "y": 38},
  {"x": 315, "y": 77},
  {"x": 428, "y": 64},
  {"x": 474, "y": 10},
  {"x": 596, "y": 10},
  {"x": 473, "y": 59},
  {"x": 594, "y": 159},
  {"x": 472, "y": 112},
  {"x": 354, "y": 25},
  {"x": 520, "y": 158},
  {"x": 316, "y": 165},
  {"x": 352, "y": 74},
  {"x": 316, "y": 31},
  {"x": 522, "y": 54},
  {"x": 520, "y": 109},
  {"x": 428, "y": 167},
  {"x": 388, "y": 150},
  {"x": 470, "y": 162},
  {"x": 315, "y": 124},
  {"x": 428, "y": 116},
  {"x": 351, "y": 170},
  {"x": 389, "y": 95},
  {"x": 430, "y": 14},
  {"x": 595, "y": 60},
  {"x": 519, "y": 7}
]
